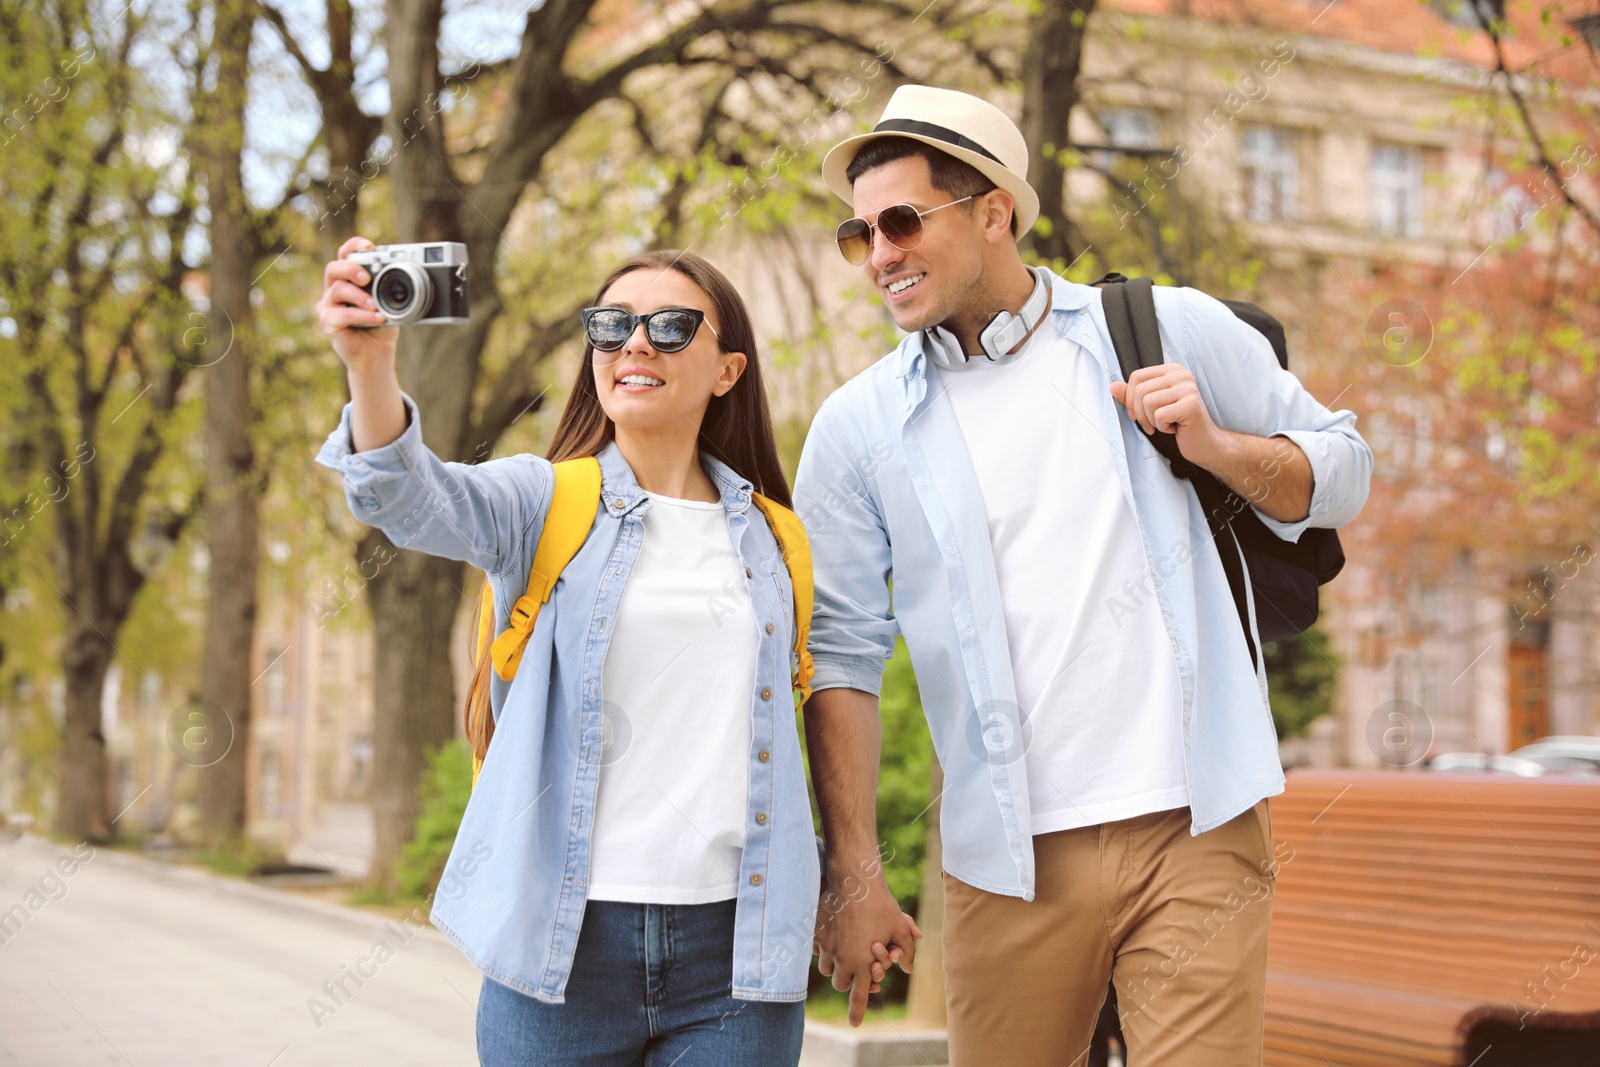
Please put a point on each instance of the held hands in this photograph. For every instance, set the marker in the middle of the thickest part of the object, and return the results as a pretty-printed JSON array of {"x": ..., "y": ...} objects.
[
  {"x": 345, "y": 307},
  {"x": 861, "y": 933},
  {"x": 1166, "y": 398}
]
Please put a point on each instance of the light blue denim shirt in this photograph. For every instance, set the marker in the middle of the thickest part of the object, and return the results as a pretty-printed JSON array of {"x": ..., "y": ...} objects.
[
  {"x": 513, "y": 892},
  {"x": 888, "y": 494}
]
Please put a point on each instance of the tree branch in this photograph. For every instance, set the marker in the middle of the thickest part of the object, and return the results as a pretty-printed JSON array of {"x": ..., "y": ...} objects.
[
  {"x": 1492, "y": 27},
  {"x": 512, "y": 393}
]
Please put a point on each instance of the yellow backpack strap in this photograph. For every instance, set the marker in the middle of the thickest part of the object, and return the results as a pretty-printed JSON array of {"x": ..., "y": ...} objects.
[
  {"x": 573, "y": 503},
  {"x": 796, "y": 547},
  {"x": 479, "y": 719}
]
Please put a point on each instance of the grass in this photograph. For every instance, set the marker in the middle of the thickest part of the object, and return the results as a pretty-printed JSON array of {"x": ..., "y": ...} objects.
[{"x": 828, "y": 1005}]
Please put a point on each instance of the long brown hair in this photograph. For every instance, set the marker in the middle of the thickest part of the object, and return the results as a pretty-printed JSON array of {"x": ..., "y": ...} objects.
[{"x": 737, "y": 428}]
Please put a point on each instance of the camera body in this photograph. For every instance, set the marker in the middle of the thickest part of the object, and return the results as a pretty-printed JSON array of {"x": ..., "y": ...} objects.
[{"x": 422, "y": 284}]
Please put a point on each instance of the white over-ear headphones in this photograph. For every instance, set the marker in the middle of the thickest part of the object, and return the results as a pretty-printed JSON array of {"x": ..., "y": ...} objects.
[{"x": 1002, "y": 339}]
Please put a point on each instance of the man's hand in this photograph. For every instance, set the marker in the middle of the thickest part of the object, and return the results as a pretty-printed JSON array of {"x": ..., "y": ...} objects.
[
  {"x": 1166, "y": 398},
  {"x": 1272, "y": 473},
  {"x": 861, "y": 932}
]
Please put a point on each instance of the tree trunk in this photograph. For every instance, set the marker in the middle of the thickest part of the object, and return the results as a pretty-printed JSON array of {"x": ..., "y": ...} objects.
[
  {"x": 233, "y": 484},
  {"x": 414, "y": 600},
  {"x": 925, "y": 1003},
  {"x": 347, "y": 131},
  {"x": 83, "y": 811},
  {"x": 1050, "y": 69}
]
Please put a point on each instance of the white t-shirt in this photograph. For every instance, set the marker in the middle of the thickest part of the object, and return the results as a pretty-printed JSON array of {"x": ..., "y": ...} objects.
[
  {"x": 677, "y": 688},
  {"x": 1098, "y": 692}
]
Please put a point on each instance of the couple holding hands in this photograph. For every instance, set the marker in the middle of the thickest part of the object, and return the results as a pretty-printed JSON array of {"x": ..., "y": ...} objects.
[{"x": 644, "y": 876}]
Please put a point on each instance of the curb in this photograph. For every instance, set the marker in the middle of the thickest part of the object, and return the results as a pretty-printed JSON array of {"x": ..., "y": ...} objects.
[
  {"x": 344, "y": 917},
  {"x": 830, "y": 1045}
]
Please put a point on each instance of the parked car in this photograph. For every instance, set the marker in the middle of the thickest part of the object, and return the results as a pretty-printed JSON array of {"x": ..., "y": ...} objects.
[
  {"x": 1548, "y": 755},
  {"x": 1483, "y": 761},
  {"x": 1581, "y": 754}
]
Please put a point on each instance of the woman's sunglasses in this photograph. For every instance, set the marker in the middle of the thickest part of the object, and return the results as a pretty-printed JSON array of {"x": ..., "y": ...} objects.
[
  {"x": 668, "y": 329},
  {"x": 900, "y": 225}
]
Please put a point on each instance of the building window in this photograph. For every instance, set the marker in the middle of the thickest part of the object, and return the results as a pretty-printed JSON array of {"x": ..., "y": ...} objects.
[
  {"x": 360, "y": 761},
  {"x": 277, "y": 682},
  {"x": 1588, "y": 27},
  {"x": 271, "y": 779},
  {"x": 1131, "y": 127},
  {"x": 1271, "y": 173},
  {"x": 1396, "y": 190}
]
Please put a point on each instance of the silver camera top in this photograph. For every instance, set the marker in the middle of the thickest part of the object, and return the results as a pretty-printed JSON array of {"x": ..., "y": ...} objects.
[
  {"x": 426, "y": 253},
  {"x": 424, "y": 283}
]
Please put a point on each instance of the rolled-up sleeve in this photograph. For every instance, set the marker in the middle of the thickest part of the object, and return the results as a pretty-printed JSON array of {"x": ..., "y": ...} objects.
[
  {"x": 484, "y": 514},
  {"x": 852, "y": 627},
  {"x": 1247, "y": 391}
]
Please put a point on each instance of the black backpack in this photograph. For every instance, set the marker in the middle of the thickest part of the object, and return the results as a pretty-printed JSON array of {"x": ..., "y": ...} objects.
[{"x": 1284, "y": 576}]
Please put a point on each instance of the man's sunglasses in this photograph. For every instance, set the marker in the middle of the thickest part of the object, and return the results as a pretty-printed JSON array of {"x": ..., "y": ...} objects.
[
  {"x": 900, "y": 225},
  {"x": 668, "y": 329}
]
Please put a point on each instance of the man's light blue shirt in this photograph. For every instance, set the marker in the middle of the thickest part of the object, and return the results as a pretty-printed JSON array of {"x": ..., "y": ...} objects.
[{"x": 891, "y": 502}]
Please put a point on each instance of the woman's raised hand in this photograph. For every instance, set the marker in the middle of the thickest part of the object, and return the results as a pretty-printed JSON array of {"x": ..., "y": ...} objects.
[
  {"x": 377, "y": 411},
  {"x": 345, "y": 305}
]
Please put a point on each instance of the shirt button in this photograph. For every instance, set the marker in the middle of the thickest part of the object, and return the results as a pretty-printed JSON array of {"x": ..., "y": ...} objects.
[
  {"x": 766, "y": 694},
  {"x": 755, "y": 879},
  {"x": 748, "y": 573},
  {"x": 763, "y": 755},
  {"x": 617, "y": 503},
  {"x": 769, "y": 627},
  {"x": 761, "y": 818}
]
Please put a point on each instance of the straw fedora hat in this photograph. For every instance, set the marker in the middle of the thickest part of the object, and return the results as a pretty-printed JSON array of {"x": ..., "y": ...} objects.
[{"x": 957, "y": 124}]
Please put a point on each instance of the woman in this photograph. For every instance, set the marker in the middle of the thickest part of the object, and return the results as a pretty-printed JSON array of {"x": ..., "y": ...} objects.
[{"x": 636, "y": 873}]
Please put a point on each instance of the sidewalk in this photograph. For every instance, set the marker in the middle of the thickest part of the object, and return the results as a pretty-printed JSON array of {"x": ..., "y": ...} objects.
[{"x": 129, "y": 961}]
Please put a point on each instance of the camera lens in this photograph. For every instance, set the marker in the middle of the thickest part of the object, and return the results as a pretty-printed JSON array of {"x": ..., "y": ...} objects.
[
  {"x": 395, "y": 291},
  {"x": 402, "y": 291}
]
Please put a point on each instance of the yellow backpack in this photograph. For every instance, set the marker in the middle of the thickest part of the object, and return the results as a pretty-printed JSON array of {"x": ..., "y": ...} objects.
[{"x": 573, "y": 503}]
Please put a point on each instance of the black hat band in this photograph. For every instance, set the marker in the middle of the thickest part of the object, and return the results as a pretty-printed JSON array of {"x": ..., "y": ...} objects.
[{"x": 939, "y": 133}]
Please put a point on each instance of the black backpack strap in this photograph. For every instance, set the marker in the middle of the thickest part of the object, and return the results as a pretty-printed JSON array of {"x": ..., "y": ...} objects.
[
  {"x": 1130, "y": 307},
  {"x": 1221, "y": 506},
  {"x": 1119, "y": 321}
]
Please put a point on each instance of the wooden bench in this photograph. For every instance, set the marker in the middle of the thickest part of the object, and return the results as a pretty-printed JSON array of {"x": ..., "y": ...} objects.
[{"x": 1435, "y": 919}]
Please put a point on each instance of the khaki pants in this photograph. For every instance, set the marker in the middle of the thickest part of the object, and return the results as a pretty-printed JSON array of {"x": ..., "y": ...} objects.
[{"x": 1178, "y": 923}]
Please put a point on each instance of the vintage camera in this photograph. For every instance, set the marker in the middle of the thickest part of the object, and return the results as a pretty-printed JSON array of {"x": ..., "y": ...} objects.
[{"x": 419, "y": 284}]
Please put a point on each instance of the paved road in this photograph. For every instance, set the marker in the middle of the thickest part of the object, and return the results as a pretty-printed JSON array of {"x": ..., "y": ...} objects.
[
  {"x": 110, "y": 958},
  {"x": 129, "y": 962}
]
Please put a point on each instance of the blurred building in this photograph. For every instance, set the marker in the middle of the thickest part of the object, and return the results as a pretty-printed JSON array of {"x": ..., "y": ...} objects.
[
  {"x": 310, "y": 733},
  {"x": 1337, "y": 135}
]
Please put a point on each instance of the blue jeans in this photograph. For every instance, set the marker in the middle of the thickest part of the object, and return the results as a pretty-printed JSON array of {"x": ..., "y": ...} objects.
[{"x": 650, "y": 987}]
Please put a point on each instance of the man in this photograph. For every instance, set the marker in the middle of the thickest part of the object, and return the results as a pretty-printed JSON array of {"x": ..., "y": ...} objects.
[{"x": 1106, "y": 741}]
